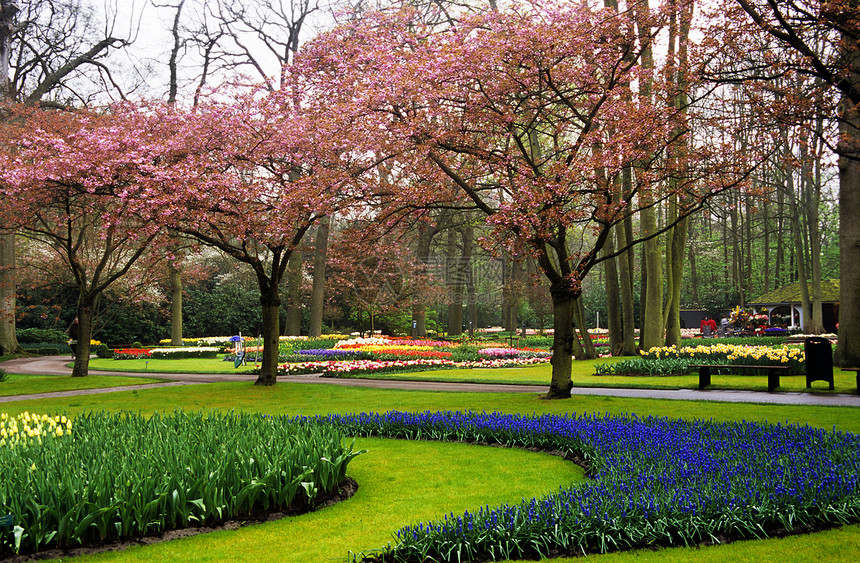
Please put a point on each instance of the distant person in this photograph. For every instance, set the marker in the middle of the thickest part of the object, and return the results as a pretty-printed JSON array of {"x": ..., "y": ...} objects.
[
  {"x": 74, "y": 332},
  {"x": 707, "y": 327}
]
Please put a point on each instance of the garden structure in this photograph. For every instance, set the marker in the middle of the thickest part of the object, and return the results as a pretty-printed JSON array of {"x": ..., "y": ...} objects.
[{"x": 786, "y": 303}]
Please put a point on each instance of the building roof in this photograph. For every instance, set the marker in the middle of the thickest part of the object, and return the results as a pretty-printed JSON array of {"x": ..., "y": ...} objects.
[{"x": 791, "y": 293}]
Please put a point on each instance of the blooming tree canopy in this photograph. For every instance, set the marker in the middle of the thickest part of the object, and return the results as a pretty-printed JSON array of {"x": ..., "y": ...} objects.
[
  {"x": 74, "y": 183},
  {"x": 531, "y": 115},
  {"x": 254, "y": 175}
]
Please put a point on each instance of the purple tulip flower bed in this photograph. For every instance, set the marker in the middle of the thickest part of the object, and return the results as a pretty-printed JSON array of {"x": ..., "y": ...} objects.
[{"x": 654, "y": 482}]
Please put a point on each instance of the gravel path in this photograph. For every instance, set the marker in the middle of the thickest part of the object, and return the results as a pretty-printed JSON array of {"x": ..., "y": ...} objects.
[{"x": 54, "y": 365}]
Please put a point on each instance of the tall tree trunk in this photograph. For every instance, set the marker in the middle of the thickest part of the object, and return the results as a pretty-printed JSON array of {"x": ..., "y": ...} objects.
[
  {"x": 694, "y": 273},
  {"x": 799, "y": 253},
  {"x": 456, "y": 285},
  {"x": 293, "y": 325},
  {"x": 675, "y": 271},
  {"x": 175, "y": 305},
  {"x": 737, "y": 274},
  {"x": 511, "y": 293},
  {"x": 652, "y": 324},
  {"x": 8, "y": 275},
  {"x": 652, "y": 304},
  {"x": 626, "y": 267},
  {"x": 779, "y": 266},
  {"x": 613, "y": 298},
  {"x": 848, "y": 345},
  {"x": 765, "y": 219},
  {"x": 588, "y": 351},
  {"x": 8, "y": 339},
  {"x": 419, "y": 308},
  {"x": 468, "y": 233},
  {"x": 816, "y": 325},
  {"x": 318, "y": 291}
]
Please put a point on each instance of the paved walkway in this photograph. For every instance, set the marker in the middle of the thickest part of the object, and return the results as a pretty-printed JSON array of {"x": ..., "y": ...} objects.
[{"x": 53, "y": 365}]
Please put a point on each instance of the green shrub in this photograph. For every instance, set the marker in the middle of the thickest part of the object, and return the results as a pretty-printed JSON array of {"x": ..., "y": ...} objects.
[
  {"x": 3, "y": 375},
  {"x": 183, "y": 353},
  {"x": 46, "y": 348},
  {"x": 736, "y": 341},
  {"x": 650, "y": 367},
  {"x": 41, "y": 335},
  {"x": 102, "y": 351},
  {"x": 137, "y": 345},
  {"x": 464, "y": 353}
]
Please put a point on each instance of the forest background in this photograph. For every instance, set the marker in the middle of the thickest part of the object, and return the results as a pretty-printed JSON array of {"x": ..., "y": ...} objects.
[{"x": 443, "y": 273}]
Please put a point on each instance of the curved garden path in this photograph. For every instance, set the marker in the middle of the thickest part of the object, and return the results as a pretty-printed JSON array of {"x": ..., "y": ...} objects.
[{"x": 57, "y": 365}]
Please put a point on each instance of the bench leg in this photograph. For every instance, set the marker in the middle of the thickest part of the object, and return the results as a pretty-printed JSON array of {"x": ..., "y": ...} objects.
[
  {"x": 704, "y": 376},
  {"x": 772, "y": 379}
]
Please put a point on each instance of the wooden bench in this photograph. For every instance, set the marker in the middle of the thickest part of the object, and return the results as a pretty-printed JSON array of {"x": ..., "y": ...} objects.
[
  {"x": 857, "y": 373},
  {"x": 772, "y": 373}
]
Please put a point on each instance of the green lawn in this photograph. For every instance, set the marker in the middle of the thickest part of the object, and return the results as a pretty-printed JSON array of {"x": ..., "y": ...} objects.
[
  {"x": 191, "y": 365},
  {"x": 30, "y": 384},
  {"x": 402, "y": 482},
  {"x": 582, "y": 375}
]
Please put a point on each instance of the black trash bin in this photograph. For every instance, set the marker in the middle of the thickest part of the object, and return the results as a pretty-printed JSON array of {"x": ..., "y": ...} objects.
[{"x": 819, "y": 360}]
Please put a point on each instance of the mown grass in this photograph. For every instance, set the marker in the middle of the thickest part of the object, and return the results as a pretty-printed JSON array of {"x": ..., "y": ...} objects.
[
  {"x": 582, "y": 375},
  {"x": 389, "y": 497},
  {"x": 311, "y": 399},
  {"x": 190, "y": 365},
  {"x": 32, "y": 384}
]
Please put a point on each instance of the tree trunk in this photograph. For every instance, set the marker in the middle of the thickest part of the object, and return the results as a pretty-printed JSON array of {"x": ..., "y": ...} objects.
[
  {"x": 848, "y": 345},
  {"x": 613, "y": 299},
  {"x": 511, "y": 294},
  {"x": 270, "y": 302},
  {"x": 318, "y": 291},
  {"x": 694, "y": 274},
  {"x": 456, "y": 286},
  {"x": 8, "y": 339},
  {"x": 652, "y": 323},
  {"x": 471, "y": 293},
  {"x": 419, "y": 308},
  {"x": 626, "y": 267},
  {"x": 294, "y": 295},
  {"x": 799, "y": 254},
  {"x": 816, "y": 325},
  {"x": 86, "y": 314},
  {"x": 675, "y": 270},
  {"x": 175, "y": 305},
  {"x": 587, "y": 350},
  {"x": 562, "y": 343}
]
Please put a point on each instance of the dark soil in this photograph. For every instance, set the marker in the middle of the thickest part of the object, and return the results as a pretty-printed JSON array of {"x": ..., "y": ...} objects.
[{"x": 344, "y": 492}]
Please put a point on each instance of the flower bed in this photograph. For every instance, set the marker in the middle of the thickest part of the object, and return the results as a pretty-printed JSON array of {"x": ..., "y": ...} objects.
[
  {"x": 122, "y": 475},
  {"x": 655, "y": 482},
  {"x": 359, "y": 367},
  {"x": 132, "y": 353},
  {"x": 674, "y": 361},
  {"x": 166, "y": 353}
]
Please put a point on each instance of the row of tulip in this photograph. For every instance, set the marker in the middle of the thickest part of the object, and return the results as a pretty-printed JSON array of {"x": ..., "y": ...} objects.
[
  {"x": 31, "y": 429},
  {"x": 380, "y": 354},
  {"x": 121, "y": 475},
  {"x": 670, "y": 360},
  {"x": 166, "y": 353},
  {"x": 348, "y": 368},
  {"x": 654, "y": 482}
]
